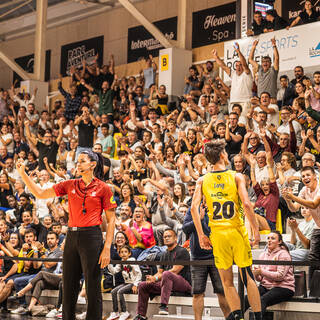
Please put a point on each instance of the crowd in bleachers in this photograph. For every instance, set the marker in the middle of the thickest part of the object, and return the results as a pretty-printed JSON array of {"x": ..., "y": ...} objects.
[{"x": 153, "y": 155}]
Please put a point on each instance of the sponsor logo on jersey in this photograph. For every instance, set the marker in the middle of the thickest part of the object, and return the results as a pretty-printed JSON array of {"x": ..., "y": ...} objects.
[{"x": 219, "y": 195}]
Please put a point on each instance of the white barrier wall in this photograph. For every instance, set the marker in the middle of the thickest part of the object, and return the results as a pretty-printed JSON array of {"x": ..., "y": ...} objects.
[
  {"x": 297, "y": 46},
  {"x": 173, "y": 66}
]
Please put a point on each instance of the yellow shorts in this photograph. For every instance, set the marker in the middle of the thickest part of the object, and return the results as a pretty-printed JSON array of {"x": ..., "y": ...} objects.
[{"x": 231, "y": 245}]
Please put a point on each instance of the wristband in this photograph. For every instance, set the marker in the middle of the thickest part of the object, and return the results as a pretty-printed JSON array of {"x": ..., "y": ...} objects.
[
  {"x": 35, "y": 251},
  {"x": 24, "y": 252},
  {"x": 172, "y": 209},
  {"x": 156, "y": 277}
]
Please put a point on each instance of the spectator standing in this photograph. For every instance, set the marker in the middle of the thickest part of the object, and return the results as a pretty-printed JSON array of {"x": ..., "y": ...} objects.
[
  {"x": 286, "y": 93},
  {"x": 47, "y": 147},
  {"x": 108, "y": 143},
  {"x": 267, "y": 193},
  {"x": 4, "y": 104},
  {"x": 149, "y": 73},
  {"x": 234, "y": 135},
  {"x": 73, "y": 100},
  {"x": 241, "y": 80},
  {"x": 312, "y": 95},
  {"x": 308, "y": 197},
  {"x": 267, "y": 73},
  {"x": 106, "y": 95},
  {"x": 6, "y": 138},
  {"x": 86, "y": 124},
  {"x": 41, "y": 204}
]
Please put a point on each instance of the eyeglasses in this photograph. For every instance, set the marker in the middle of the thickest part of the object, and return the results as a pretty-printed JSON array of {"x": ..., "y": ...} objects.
[{"x": 84, "y": 210}]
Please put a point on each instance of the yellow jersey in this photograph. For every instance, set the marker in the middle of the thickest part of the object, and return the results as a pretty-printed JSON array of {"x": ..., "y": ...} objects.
[{"x": 222, "y": 198}]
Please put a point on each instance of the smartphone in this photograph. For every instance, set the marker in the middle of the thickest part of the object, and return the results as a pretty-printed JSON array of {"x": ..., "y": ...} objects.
[{"x": 236, "y": 46}]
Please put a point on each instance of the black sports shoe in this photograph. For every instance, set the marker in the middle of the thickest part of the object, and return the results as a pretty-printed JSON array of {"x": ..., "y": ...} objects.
[
  {"x": 140, "y": 317},
  {"x": 163, "y": 310}
]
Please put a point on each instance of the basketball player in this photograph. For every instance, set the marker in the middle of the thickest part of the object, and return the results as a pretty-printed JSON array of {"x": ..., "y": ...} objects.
[{"x": 225, "y": 193}]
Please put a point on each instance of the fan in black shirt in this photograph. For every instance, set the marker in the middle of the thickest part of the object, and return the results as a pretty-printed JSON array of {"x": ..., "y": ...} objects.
[
  {"x": 308, "y": 15},
  {"x": 169, "y": 278}
]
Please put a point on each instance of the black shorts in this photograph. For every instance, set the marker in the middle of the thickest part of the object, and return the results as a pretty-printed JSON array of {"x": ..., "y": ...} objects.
[{"x": 199, "y": 276}]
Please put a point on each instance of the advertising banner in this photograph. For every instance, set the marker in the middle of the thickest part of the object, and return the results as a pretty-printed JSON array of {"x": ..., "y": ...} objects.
[
  {"x": 295, "y": 48},
  {"x": 141, "y": 42},
  {"x": 214, "y": 25},
  {"x": 73, "y": 54},
  {"x": 27, "y": 64}
]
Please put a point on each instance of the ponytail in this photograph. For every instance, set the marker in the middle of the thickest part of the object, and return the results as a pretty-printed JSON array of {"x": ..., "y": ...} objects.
[{"x": 98, "y": 170}]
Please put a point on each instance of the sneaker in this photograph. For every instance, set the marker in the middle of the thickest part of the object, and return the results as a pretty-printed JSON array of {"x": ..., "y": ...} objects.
[
  {"x": 19, "y": 310},
  {"x": 124, "y": 315},
  {"x": 81, "y": 316},
  {"x": 52, "y": 314},
  {"x": 114, "y": 315},
  {"x": 163, "y": 310},
  {"x": 140, "y": 317},
  {"x": 81, "y": 300}
]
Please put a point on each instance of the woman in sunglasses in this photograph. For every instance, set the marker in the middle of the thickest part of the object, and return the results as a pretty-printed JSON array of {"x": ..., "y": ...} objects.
[{"x": 88, "y": 197}]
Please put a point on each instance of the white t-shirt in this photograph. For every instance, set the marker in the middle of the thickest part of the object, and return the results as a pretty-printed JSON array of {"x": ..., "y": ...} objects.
[
  {"x": 284, "y": 128},
  {"x": 41, "y": 204},
  {"x": 241, "y": 87},
  {"x": 307, "y": 194},
  {"x": 10, "y": 146}
]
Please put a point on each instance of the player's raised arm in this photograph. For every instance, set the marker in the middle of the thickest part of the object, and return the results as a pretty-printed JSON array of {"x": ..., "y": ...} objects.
[
  {"x": 35, "y": 190},
  {"x": 196, "y": 201},
  {"x": 247, "y": 206}
]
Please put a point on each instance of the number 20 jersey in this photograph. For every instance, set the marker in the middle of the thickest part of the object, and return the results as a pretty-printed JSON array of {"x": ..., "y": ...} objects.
[{"x": 222, "y": 198}]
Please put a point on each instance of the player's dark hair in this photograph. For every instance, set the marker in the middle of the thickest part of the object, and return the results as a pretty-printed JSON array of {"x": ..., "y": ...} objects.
[{"x": 213, "y": 149}]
